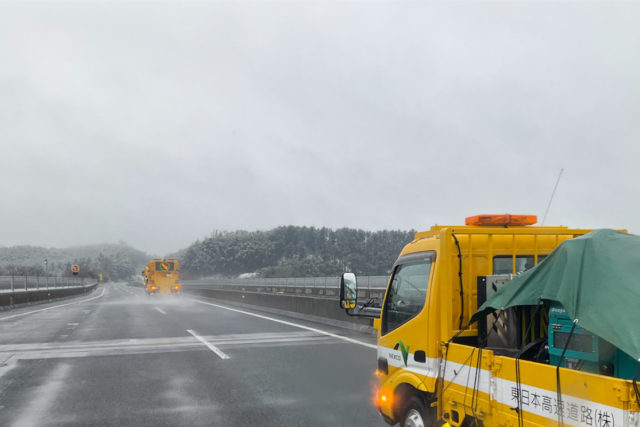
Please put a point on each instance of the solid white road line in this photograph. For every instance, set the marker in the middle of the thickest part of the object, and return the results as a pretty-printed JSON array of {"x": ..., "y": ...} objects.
[
  {"x": 160, "y": 310},
  {"x": 51, "y": 308},
  {"x": 210, "y": 346},
  {"x": 320, "y": 331}
]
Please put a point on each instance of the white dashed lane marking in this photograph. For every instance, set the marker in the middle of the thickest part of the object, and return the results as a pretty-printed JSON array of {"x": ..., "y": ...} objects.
[{"x": 210, "y": 346}]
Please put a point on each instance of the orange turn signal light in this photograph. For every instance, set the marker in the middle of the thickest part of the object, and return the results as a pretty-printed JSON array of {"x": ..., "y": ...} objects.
[
  {"x": 384, "y": 399},
  {"x": 505, "y": 219}
]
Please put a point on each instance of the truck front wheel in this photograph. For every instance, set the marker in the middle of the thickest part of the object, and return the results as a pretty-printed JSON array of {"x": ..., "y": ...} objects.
[{"x": 417, "y": 414}]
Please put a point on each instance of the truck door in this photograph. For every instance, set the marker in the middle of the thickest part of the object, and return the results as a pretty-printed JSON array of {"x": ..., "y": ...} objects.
[{"x": 403, "y": 326}]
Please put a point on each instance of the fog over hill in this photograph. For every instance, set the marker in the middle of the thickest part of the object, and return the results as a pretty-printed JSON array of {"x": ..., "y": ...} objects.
[
  {"x": 284, "y": 251},
  {"x": 292, "y": 251},
  {"x": 115, "y": 261}
]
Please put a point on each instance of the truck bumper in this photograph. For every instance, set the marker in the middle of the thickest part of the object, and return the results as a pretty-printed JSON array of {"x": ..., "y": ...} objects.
[
  {"x": 386, "y": 419},
  {"x": 163, "y": 292},
  {"x": 383, "y": 413}
]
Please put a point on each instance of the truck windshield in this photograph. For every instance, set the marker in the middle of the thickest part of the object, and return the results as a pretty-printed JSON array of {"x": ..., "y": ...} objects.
[{"x": 407, "y": 291}]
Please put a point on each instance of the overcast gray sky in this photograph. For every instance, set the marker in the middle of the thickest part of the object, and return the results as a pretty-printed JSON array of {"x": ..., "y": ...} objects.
[{"x": 157, "y": 123}]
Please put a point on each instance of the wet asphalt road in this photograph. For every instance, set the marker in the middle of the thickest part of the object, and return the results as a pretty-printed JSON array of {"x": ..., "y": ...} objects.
[{"x": 118, "y": 357}]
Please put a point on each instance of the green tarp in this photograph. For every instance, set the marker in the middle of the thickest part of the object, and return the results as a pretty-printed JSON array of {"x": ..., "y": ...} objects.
[{"x": 596, "y": 277}]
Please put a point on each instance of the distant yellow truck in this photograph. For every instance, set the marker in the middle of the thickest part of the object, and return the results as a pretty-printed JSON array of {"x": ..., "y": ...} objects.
[
  {"x": 161, "y": 276},
  {"x": 436, "y": 366}
]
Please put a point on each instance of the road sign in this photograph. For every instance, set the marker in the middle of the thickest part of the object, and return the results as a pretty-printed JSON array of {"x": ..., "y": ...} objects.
[{"x": 75, "y": 269}]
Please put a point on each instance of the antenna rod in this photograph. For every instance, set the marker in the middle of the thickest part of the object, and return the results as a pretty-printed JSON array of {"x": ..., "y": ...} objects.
[{"x": 553, "y": 193}]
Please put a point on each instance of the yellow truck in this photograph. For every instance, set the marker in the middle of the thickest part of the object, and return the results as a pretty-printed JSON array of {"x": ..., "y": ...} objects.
[
  {"x": 161, "y": 276},
  {"x": 441, "y": 362}
]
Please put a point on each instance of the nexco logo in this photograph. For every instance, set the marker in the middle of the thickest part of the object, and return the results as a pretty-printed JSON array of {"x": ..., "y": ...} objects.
[{"x": 395, "y": 357}]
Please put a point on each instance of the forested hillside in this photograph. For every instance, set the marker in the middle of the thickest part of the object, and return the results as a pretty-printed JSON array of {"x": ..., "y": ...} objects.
[
  {"x": 114, "y": 261},
  {"x": 294, "y": 252}
]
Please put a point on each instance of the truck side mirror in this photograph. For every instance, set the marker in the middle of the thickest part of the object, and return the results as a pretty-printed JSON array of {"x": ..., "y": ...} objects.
[{"x": 348, "y": 291}]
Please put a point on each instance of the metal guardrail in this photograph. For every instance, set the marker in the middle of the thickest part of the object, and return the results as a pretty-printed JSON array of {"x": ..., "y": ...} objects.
[
  {"x": 14, "y": 284},
  {"x": 368, "y": 286}
]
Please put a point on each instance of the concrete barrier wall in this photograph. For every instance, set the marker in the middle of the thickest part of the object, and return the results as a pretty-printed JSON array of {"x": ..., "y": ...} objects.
[
  {"x": 9, "y": 299},
  {"x": 324, "y": 309}
]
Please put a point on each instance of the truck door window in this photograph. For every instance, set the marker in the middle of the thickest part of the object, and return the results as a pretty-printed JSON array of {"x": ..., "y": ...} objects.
[
  {"x": 503, "y": 264},
  {"x": 407, "y": 292}
]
